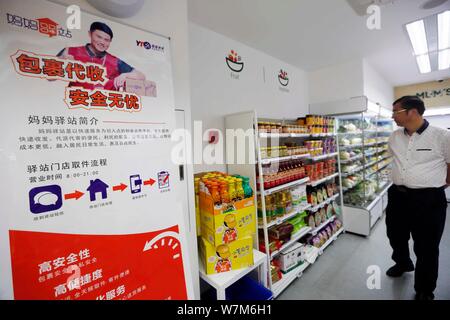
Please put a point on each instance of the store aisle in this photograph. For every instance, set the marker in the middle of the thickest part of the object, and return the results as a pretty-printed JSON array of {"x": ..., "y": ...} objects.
[{"x": 341, "y": 272}]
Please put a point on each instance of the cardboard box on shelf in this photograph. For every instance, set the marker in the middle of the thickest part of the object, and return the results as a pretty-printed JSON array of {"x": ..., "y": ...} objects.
[
  {"x": 226, "y": 257},
  {"x": 228, "y": 221},
  {"x": 207, "y": 205},
  {"x": 290, "y": 258},
  {"x": 228, "y": 227}
]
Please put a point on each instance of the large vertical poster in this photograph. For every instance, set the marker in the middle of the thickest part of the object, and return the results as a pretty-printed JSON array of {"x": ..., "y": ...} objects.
[{"x": 88, "y": 191}]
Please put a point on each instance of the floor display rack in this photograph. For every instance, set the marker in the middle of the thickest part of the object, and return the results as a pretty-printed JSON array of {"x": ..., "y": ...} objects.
[
  {"x": 293, "y": 166},
  {"x": 363, "y": 132}
]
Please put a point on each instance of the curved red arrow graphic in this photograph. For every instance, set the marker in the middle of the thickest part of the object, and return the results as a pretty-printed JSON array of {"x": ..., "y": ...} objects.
[
  {"x": 76, "y": 195},
  {"x": 149, "y": 182},
  {"x": 120, "y": 187}
]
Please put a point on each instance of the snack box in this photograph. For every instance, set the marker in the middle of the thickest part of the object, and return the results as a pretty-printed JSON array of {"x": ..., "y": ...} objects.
[
  {"x": 227, "y": 227},
  {"x": 226, "y": 257},
  {"x": 290, "y": 258},
  {"x": 246, "y": 205}
]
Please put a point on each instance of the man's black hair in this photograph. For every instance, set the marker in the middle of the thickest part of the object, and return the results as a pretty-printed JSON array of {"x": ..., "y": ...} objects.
[
  {"x": 411, "y": 102},
  {"x": 102, "y": 27}
]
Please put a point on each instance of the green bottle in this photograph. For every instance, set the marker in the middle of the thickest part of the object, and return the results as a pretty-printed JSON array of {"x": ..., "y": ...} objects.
[{"x": 248, "y": 192}]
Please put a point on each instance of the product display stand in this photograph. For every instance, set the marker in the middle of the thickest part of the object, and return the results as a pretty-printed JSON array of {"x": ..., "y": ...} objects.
[
  {"x": 364, "y": 160},
  {"x": 222, "y": 281},
  {"x": 252, "y": 166}
]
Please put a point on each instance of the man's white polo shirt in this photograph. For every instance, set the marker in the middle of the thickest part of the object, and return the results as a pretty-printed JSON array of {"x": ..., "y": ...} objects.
[{"x": 420, "y": 160}]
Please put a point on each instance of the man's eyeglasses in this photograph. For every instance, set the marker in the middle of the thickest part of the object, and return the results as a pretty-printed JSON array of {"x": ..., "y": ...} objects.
[{"x": 399, "y": 111}]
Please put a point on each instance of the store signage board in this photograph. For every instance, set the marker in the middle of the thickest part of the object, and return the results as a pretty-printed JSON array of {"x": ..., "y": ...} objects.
[
  {"x": 88, "y": 193},
  {"x": 434, "y": 94}
]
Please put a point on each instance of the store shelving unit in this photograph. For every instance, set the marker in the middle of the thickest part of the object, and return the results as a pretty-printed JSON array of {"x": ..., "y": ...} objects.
[
  {"x": 279, "y": 286},
  {"x": 280, "y": 220},
  {"x": 320, "y": 227},
  {"x": 364, "y": 160},
  {"x": 322, "y": 204},
  {"x": 284, "y": 186},
  {"x": 294, "y": 238},
  {"x": 330, "y": 241},
  {"x": 253, "y": 165},
  {"x": 297, "y": 272},
  {"x": 323, "y": 180}
]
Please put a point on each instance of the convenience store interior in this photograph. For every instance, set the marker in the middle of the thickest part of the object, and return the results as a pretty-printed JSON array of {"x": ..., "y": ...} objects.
[{"x": 314, "y": 82}]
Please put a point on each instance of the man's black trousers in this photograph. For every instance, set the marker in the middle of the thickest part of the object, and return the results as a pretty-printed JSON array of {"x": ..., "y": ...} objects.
[{"x": 420, "y": 213}]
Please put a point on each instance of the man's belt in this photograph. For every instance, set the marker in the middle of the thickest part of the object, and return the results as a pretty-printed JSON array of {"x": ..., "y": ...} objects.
[{"x": 406, "y": 189}]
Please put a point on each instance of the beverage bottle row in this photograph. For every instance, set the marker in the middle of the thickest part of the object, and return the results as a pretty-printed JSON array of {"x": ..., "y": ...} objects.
[
  {"x": 224, "y": 188},
  {"x": 276, "y": 174},
  {"x": 277, "y": 205}
]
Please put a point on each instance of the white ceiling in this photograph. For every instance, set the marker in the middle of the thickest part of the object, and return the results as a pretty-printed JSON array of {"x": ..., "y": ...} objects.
[{"x": 312, "y": 34}]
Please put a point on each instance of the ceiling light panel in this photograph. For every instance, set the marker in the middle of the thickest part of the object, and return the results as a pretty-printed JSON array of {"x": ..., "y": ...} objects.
[{"x": 416, "y": 32}]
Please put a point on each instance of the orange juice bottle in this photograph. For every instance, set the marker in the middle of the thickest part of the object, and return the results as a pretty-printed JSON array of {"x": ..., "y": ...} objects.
[
  {"x": 224, "y": 196},
  {"x": 215, "y": 193}
]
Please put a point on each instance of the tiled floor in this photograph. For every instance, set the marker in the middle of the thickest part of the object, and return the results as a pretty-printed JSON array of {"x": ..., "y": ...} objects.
[{"x": 341, "y": 272}]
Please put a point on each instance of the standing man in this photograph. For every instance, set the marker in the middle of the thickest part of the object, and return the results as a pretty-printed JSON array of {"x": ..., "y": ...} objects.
[{"x": 417, "y": 204}]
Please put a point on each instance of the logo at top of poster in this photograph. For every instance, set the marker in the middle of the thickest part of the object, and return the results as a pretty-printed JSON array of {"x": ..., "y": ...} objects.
[
  {"x": 234, "y": 61},
  {"x": 46, "y": 26},
  {"x": 283, "y": 78}
]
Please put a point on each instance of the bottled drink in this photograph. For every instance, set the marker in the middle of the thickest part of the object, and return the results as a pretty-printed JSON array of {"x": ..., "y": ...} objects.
[
  {"x": 224, "y": 195},
  {"x": 248, "y": 192},
  {"x": 232, "y": 189},
  {"x": 259, "y": 211},
  {"x": 239, "y": 189},
  {"x": 215, "y": 194},
  {"x": 270, "y": 208}
]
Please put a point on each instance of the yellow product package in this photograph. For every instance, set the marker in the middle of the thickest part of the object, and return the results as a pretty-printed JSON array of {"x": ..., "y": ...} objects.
[
  {"x": 226, "y": 257},
  {"x": 228, "y": 227}
]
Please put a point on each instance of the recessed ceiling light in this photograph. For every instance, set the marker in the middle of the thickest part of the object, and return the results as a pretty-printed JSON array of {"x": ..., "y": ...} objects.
[
  {"x": 444, "y": 39},
  {"x": 430, "y": 40},
  {"x": 416, "y": 32},
  {"x": 423, "y": 62}
]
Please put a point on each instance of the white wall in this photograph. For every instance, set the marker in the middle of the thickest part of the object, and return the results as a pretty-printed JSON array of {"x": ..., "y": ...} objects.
[
  {"x": 215, "y": 93},
  {"x": 376, "y": 88},
  {"x": 336, "y": 82},
  {"x": 439, "y": 121},
  {"x": 347, "y": 80},
  {"x": 169, "y": 18}
]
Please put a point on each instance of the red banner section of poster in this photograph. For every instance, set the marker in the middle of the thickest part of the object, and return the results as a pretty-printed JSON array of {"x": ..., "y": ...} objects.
[{"x": 53, "y": 266}]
